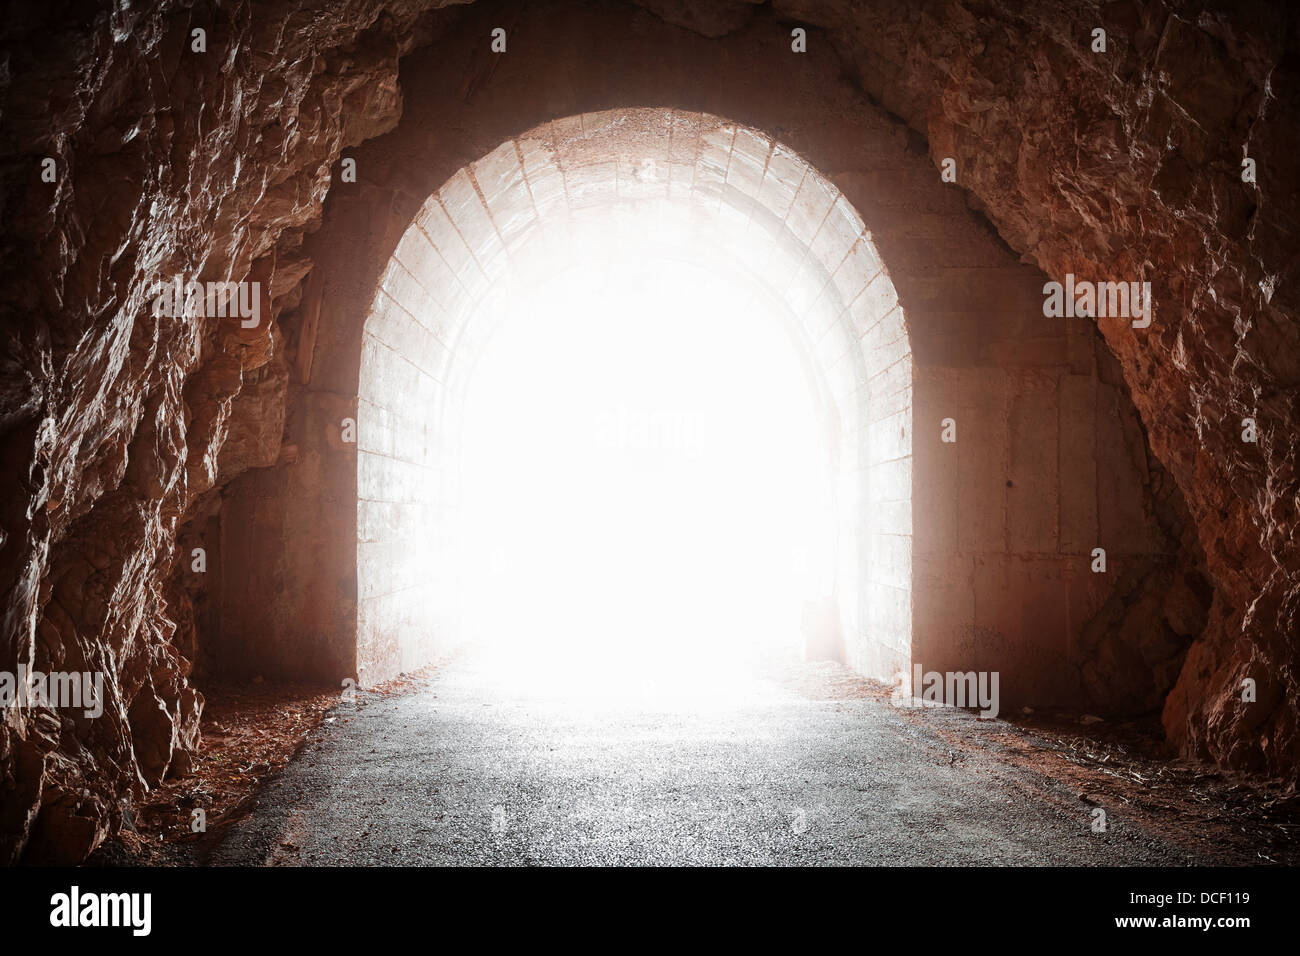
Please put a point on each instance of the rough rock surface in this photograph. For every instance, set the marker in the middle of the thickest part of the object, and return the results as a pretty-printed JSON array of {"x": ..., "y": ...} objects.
[
  {"x": 1128, "y": 164},
  {"x": 114, "y": 423},
  {"x": 117, "y": 428}
]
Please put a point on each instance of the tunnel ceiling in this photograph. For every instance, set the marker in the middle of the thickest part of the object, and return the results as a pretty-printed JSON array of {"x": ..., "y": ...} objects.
[
  {"x": 115, "y": 426},
  {"x": 556, "y": 194}
]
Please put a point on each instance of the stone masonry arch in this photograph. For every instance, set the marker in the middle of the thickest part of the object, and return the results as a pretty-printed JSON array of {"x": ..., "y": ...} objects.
[{"x": 751, "y": 203}]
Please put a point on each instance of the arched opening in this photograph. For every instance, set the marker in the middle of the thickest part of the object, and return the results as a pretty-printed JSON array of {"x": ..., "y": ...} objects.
[{"x": 725, "y": 256}]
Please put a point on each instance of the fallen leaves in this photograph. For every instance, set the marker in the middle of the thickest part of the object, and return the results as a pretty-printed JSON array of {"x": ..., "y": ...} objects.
[{"x": 250, "y": 731}]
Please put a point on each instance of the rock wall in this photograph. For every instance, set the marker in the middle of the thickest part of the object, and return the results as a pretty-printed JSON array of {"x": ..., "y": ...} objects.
[
  {"x": 1129, "y": 164},
  {"x": 119, "y": 428},
  {"x": 115, "y": 425}
]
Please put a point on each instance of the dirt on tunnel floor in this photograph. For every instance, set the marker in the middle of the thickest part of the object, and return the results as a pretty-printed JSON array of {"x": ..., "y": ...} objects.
[
  {"x": 801, "y": 764},
  {"x": 1122, "y": 764}
]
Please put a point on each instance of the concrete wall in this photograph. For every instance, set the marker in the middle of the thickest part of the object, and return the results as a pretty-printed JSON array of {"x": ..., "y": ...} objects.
[{"x": 1049, "y": 463}]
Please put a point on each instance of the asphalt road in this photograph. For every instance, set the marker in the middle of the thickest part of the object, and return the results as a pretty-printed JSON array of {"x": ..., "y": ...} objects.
[{"x": 463, "y": 770}]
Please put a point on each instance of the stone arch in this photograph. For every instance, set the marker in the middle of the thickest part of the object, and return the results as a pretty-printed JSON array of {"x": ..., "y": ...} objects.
[{"x": 764, "y": 213}]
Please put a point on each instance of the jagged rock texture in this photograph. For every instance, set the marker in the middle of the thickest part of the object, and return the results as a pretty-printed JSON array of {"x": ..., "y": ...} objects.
[
  {"x": 116, "y": 423},
  {"x": 1130, "y": 163}
]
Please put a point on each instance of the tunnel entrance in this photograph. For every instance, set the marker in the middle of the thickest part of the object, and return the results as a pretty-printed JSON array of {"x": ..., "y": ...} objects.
[
  {"x": 615, "y": 398},
  {"x": 1027, "y": 456},
  {"x": 191, "y": 498}
]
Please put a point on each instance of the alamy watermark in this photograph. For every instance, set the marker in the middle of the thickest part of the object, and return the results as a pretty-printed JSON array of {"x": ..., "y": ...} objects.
[
  {"x": 949, "y": 689},
  {"x": 72, "y": 690},
  {"x": 641, "y": 430},
  {"x": 75, "y": 909},
  {"x": 220, "y": 300},
  {"x": 1084, "y": 299}
]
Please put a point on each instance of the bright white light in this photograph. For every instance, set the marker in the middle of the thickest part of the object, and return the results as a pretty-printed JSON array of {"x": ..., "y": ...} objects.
[{"x": 645, "y": 486}]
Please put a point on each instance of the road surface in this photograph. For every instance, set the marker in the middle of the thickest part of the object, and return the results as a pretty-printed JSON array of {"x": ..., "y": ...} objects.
[{"x": 466, "y": 769}]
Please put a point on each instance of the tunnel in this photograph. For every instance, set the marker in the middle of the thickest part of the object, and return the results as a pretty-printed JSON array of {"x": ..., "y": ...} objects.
[
  {"x": 1027, "y": 291},
  {"x": 727, "y": 196}
]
